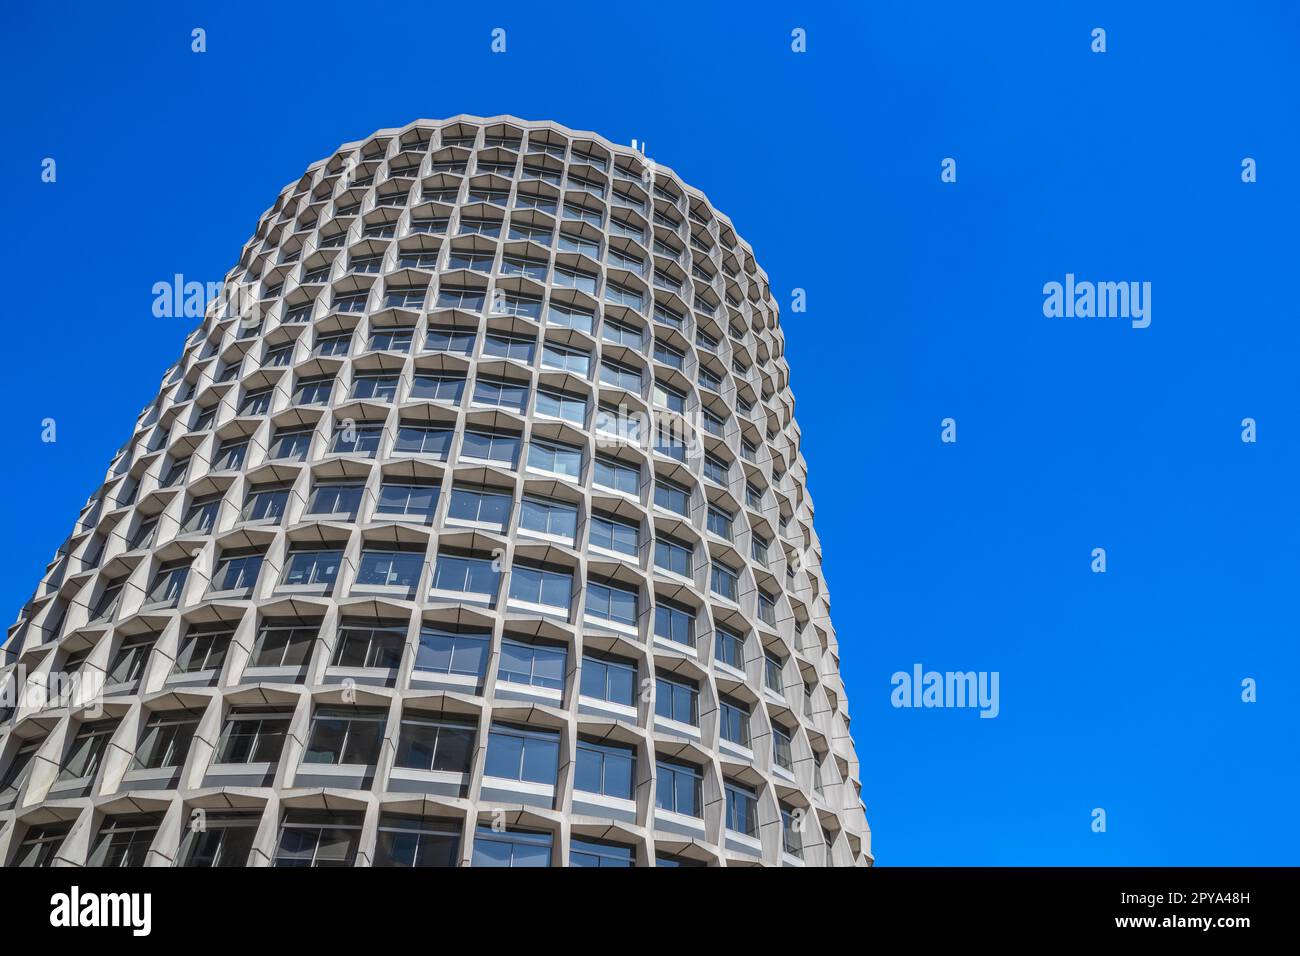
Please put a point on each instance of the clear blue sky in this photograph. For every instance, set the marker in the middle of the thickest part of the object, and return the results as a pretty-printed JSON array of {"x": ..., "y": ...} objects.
[{"x": 1119, "y": 691}]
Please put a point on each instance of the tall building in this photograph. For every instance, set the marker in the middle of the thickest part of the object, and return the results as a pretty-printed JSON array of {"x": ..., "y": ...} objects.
[{"x": 469, "y": 529}]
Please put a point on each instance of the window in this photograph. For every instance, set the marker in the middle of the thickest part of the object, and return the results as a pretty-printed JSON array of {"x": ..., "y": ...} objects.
[
  {"x": 729, "y": 648},
  {"x": 480, "y": 505},
  {"x": 237, "y": 570},
  {"x": 166, "y": 742},
  {"x": 609, "y": 680},
  {"x": 283, "y": 645},
  {"x": 231, "y": 454},
  {"x": 87, "y": 750},
  {"x": 674, "y": 622},
  {"x": 758, "y": 549},
  {"x": 569, "y": 318},
  {"x": 266, "y": 503},
  {"x": 436, "y": 744},
  {"x": 719, "y": 522},
  {"x": 672, "y": 496},
  {"x": 767, "y": 608},
  {"x": 423, "y": 440},
  {"x": 547, "y": 516},
  {"x": 791, "y": 831},
  {"x": 335, "y": 498},
  {"x": 128, "y": 665},
  {"x": 538, "y": 665},
  {"x": 620, "y": 375},
  {"x": 491, "y": 446},
  {"x": 585, "y": 853},
  {"x": 734, "y": 721},
  {"x": 380, "y": 387},
  {"x": 226, "y": 840},
  {"x": 673, "y": 555},
  {"x": 613, "y": 534},
  {"x": 677, "y": 699},
  {"x": 621, "y": 333},
  {"x": 500, "y": 393},
  {"x": 715, "y": 469},
  {"x": 314, "y": 838},
  {"x": 328, "y": 345},
  {"x": 361, "y": 645},
  {"x": 467, "y": 573},
  {"x": 144, "y": 533},
  {"x": 406, "y": 840},
  {"x": 253, "y": 736},
  {"x": 201, "y": 516},
  {"x": 549, "y": 586},
  {"x": 509, "y": 347},
  {"x": 567, "y": 359},
  {"x": 313, "y": 568},
  {"x": 438, "y": 388},
  {"x": 124, "y": 840},
  {"x": 40, "y": 845},
  {"x": 256, "y": 402},
  {"x": 555, "y": 457},
  {"x": 558, "y": 404},
  {"x": 518, "y": 753},
  {"x": 394, "y": 569},
  {"x": 612, "y": 602},
  {"x": 411, "y": 500},
  {"x": 677, "y": 788},
  {"x": 781, "y": 754},
  {"x": 345, "y": 735},
  {"x": 668, "y": 355},
  {"x": 669, "y": 398},
  {"x": 20, "y": 768},
  {"x": 170, "y": 581},
  {"x": 314, "y": 391},
  {"x": 514, "y": 848},
  {"x": 204, "y": 648},
  {"x": 772, "y": 673},
  {"x": 447, "y": 339},
  {"x": 452, "y": 652},
  {"x": 742, "y": 809},
  {"x": 612, "y": 473},
  {"x": 605, "y": 769},
  {"x": 291, "y": 443},
  {"x": 359, "y": 438},
  {"x": 725, "y": 581},
  {"x": 175, "y": 473}
]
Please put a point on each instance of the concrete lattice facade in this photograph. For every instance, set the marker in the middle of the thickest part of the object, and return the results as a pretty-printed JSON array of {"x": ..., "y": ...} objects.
[{"x": 393, "y": 571}]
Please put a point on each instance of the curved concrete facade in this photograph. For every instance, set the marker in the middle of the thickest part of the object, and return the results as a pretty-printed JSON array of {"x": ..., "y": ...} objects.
[{"x": 469, "y": 529}]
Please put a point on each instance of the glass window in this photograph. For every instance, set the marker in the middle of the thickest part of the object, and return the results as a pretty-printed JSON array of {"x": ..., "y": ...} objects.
[
  {"x": 457, "y": 572},
  {"x": 486, "y": 505},
  {"x": 541, "y": 585},
  {"x": 742, "y": 809},
  {"x": 412, "y": 500},
  {"x": 555, "y": 457},
  {"x": 729, "y": 648},
  {"x": 613, "y": 534},
  {"x": 314, "y": 838},
  {"x": 674, "y": 556},
  {"x": 611, "y": 602},
  {"x": 678, "y": 700},
  {"x": 611, "y": 473},
  {"x": 124, "y": 841},
  {"x": 360, "y": 645},
  {"x": 237, "y": 571},
  {"x": 725, "y": 581},
  {"x": 204, "y": 648},
  {"x": 674, "y": 622},
  {"x": 539, "y": 665},
  {"x": 734, "y": 721},
  {"x": 226, "y": 840},
  {"x": 584, "y": 853},
  {"x": 452, "y": 652},
  {"x": 511, "y": 848},
  {"x": 87, "y": 750},
  {"x": 413, "y": 841},
  {"x": 389, "y": 568},
  {"x": 166, "y": 742},
  {"x": 548, "y": 516},
  {"x": 345, "y": 735},
  {"x": 253, "y": 736},
  {"x": 609, "y": 680},
  {"x": 435, "y": 743},
  {"x": 313, "y": 567},
  {"x": 517, "y": 753},
  {"x": 677, "y": 788},
  {"x": 605, "y": 769}
]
